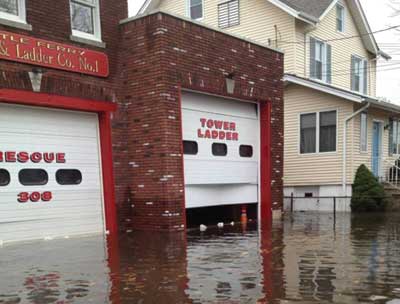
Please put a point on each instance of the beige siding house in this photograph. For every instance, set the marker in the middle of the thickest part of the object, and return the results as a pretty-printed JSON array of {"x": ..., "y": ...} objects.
[{"x": 333, "y": 121}]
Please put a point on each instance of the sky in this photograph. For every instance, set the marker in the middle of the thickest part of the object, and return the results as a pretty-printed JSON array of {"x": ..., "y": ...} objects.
[{"x": 380, "y": 16}]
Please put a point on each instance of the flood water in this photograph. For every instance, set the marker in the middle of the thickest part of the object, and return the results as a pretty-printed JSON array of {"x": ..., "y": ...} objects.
[{"x": 307, "y": 258}]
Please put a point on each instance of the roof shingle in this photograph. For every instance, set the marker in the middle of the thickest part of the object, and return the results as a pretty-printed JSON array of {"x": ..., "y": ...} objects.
[{"x": 314, "y": 8}]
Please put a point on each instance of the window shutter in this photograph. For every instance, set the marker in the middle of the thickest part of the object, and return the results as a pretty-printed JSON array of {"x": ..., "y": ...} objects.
[
  {"x": 365, "y": 80},
  {"x": 228, "y": 14},
  {"x": 352, "y": 73},
  {"x": 312, "y": 58},
  {"x": 328, "y": 63}
]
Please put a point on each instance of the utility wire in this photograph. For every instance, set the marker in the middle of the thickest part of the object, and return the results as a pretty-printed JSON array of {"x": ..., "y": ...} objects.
[
  {"x": 368, "y": 68},
  {"x": 343, "y": 38},
  {"x": 371, "y": 69}
]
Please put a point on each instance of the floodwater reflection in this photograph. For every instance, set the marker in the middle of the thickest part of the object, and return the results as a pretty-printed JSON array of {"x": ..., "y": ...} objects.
[{"x": 307, "y": 258}]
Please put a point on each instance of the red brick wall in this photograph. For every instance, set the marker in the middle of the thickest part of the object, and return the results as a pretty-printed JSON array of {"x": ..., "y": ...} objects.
[
  {"x": 158, "y": 54},
  {"x": 50, "y": 20}
]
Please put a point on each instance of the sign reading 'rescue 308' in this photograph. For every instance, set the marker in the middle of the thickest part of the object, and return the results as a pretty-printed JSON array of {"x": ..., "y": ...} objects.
[{"x": 54, "y": 55}]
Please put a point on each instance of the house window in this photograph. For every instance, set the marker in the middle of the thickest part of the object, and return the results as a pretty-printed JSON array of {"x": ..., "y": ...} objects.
[
  {"x": 327, "y": 131},
  {"x": 13, "y": 10},
  {"x": 320, "y": 60},
  {"x": 190, "y": 147},
  {"x": 308, "y": 126},
  {"x": 359, "y": 72},
  {"x": 394, "y": 137},
  {"x": 228, "y": 14},
  {"x": 364, "y": 132},
  {"x": 195, "y": 9},
  {"x": 85, "y": 19},
  {"x": 339, "y": 18},
  {"x": 318, "y": 132}
]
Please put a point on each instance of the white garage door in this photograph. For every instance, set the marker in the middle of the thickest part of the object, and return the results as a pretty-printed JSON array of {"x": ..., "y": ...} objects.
[
  {"x": 50, "y": 176},
  {"x": 221, "y": 144}
]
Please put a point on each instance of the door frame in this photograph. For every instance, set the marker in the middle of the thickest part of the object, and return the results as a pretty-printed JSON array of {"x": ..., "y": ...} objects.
[
  {"x": 264, "y": 108},
  {"x": 104, "y": 110},
  {"x": 380, "y": 148}
]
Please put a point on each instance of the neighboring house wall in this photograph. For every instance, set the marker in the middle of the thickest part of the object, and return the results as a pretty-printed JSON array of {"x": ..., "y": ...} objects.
[
  {"x": 258, "y": 19},
  {"x": 264, "y": 22},
  {"x": 342, "y": 50},
  {"x": 359, "y": 157},
  {"x": 316, "y": 168},
  {"x": 326, "y": 168}
]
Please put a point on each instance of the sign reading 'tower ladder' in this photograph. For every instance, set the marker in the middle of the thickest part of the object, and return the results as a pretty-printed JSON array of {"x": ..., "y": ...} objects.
[{"x": 26, "y": 49}]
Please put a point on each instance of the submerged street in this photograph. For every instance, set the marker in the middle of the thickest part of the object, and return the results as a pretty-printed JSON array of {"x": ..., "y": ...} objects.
[{"x": 305, "y": 259}]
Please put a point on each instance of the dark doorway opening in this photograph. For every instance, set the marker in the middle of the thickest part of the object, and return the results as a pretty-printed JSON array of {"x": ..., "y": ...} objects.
[{"x": 211, "y": 216}]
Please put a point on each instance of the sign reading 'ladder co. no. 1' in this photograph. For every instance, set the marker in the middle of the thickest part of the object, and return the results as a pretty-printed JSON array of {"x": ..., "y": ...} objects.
[{"x": 54, "y": 55}]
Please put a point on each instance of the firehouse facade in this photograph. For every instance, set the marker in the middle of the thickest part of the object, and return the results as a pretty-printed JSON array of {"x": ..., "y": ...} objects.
[{"x": 110, "y": 123}]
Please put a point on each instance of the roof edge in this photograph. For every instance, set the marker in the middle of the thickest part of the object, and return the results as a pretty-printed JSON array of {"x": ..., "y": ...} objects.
[
  {"x": 341, "y": 93},
  {"x": 159, "y": 11},
  {"x": 322, "y": 88},
  {"x": 144, "y": 6},
  {"x": 295, "y": 13}
]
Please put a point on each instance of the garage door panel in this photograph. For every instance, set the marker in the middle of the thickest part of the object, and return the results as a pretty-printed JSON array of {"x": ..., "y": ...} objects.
[
  {"x": 73, "y": 209},
  {"x": 64, "y": 204},
  {"x": 217, "y": 195},
  {"x": 48, "y": 231},
  {"x": 217, "y": 172},
  {"x": 56, "y": 122},
  {"x": 220, "y": 178}
]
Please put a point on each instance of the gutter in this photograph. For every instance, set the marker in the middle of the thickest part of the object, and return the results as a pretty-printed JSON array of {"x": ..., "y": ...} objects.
[{"x": 344, "y": 164}]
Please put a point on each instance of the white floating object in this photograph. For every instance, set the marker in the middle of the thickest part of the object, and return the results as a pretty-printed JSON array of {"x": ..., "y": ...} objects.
[
  {"x": 377, "y": 298},
  {"x": 220, "y": 225},
  {"x": 48, "y": 238},
  {"x": 203, "y": 227},
  {"x": 232, "y": 223}
]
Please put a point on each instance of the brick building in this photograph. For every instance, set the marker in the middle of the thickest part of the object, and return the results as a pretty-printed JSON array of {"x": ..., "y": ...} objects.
[{"x": 89, "y": 103}]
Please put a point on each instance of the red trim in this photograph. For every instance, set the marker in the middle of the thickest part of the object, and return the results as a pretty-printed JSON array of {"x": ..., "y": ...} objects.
[
  {"x": 265, "y": 166},
  {"x": 77, "y": 104},
  {"x": 265, "y": 199},
  {"x": 54, "y": 101},
  {"x": 114, "y": 263},
  {"x": 183, "y": 157}
]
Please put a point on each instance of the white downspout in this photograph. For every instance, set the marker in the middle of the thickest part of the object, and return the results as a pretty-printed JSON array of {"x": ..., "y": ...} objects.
[{"x": 345, "y": 145}]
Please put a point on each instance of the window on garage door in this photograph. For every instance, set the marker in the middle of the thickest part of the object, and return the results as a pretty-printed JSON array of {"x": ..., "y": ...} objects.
[
  {"x": 190, "y": 147},
  {"x": 33, "y": 177},
  {"x": 4, "y": 177},
  {"x": 219, "y": 149},
  {"x": 246, "y": 151},
  {"x": 69, "y": 177}
]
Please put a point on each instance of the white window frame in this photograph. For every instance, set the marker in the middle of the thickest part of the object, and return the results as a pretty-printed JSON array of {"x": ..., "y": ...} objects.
[
  {"x": 364, "y": 133},
  {"x": 227, "y": 2},
  {"x": 361, "y": 70},
  {"x": 343, "y": 19},
  {"x": 188, "y": 10},
  {"x": 21, "y": 17},
  {"x": 397, "y": 133},
  {"x": 318, "y": 114},
  {"x": 324, "y": 74},
  {"x": 96, "y": 22}
]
